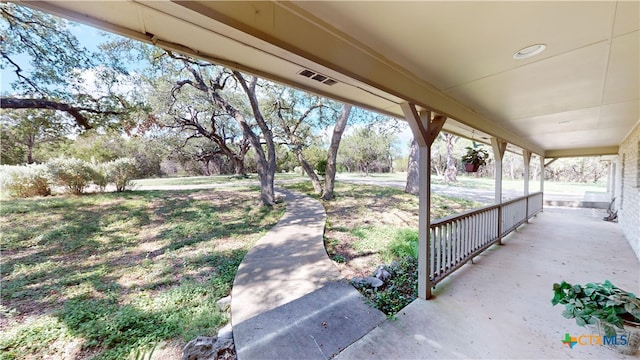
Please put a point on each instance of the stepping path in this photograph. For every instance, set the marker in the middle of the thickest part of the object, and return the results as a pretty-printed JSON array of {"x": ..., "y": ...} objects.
[{"x": 288, "y": 300}]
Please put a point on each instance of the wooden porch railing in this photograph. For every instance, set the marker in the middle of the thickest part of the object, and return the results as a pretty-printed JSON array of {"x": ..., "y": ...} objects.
[{"x": 459, "y": 238}]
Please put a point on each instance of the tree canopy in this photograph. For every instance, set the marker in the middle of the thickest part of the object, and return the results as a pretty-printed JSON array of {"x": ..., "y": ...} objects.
[{"x": 62, "y": 75}]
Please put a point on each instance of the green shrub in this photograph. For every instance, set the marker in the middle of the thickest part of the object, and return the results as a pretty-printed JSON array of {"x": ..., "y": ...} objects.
[
  {"x": 25, "y": 181},
  {"x": 121, "y": 172},
  {"x": 321, "y": 167},
  {"x": 100, "y": 175},
  {"x": 404, "y": 243},
  {"x": 74, "y": 174}
]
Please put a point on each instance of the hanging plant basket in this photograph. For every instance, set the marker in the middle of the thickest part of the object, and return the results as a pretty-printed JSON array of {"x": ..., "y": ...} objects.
[
  {"x": 471, "y": 167},
  {"x": 474, "y": 158}
]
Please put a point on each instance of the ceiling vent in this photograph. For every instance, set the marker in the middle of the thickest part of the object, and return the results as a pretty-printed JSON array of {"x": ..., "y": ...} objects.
[{"x": 317, "y": 77}]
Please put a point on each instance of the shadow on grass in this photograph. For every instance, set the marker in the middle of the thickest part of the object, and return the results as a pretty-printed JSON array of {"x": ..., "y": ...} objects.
[
  {"x": 185, "y": 309},
  {"x": 69, "y": 256}
]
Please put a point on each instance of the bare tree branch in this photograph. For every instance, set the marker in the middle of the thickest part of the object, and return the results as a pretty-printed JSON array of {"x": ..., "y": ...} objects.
[{"x": 76, "y": 112}]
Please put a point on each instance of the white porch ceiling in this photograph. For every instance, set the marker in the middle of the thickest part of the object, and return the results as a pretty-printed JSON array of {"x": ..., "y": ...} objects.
[{"x": 580, "y": 96}]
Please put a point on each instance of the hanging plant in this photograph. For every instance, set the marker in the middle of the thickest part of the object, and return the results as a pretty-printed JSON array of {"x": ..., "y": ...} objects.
[{"x": 474, "y": 158}]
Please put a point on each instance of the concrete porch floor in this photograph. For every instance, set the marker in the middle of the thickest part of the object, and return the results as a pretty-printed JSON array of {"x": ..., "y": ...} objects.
[{"x": 500, "y": 306}]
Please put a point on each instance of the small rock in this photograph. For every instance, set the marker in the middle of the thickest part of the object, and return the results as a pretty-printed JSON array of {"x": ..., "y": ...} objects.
[
  {"x": 369, "y": 281},
  {"x": 225, "y": 303},
  {"x": 200, "y": 348},
  {"x": 381, "y": 273},
  {"x": 225, "y": 348},
  {"x": 374, "y": 282},
  {"x": 225, "y": 338},
  {"x": 227, "y": 353}
]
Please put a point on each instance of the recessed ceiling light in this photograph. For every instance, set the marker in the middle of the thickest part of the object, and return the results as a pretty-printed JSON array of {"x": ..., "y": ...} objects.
[{"x": 529, "y": 51}]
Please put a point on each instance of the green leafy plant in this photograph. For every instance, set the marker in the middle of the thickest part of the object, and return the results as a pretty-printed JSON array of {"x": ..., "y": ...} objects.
[
  {"x": 321, "y": 167},
  {"x": 121, "y": 172},
  {"x": 339, "y": 258},
  {"x": 25, "y": 181},
  {"x": 143, "y": 354},
  {"x": 74, "y": 174},
  {"x": 595, "y": 302},
  {"x": 398, "y": 291},
  {"x": 475, "y": 156},
  {"x": 404, "y": 243}
]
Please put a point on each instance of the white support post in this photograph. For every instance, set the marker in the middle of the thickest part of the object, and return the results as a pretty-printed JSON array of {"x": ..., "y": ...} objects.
[
  {"x": 526, "y": 156},
  {"x": 611, "y": 179},
  {"x": 425, "y": 131},
  {"x": 499, "y": 147},
  {"x": 542, "y": 165},
  {"x": 424, "y": 215}
]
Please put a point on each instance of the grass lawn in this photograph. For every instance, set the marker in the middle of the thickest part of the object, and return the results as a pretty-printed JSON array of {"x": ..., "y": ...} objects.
[
  {"x": 101, "y": 275},
  {"x": 469, "y": 181},
  {"x": 213, "y": 179}
]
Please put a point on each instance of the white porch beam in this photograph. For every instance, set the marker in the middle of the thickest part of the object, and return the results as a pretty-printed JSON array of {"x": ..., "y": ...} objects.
[
  {"x": 595, "y": 151},
  {"x": 549, "y": 162},
  {"x": 425, "y": 130}
]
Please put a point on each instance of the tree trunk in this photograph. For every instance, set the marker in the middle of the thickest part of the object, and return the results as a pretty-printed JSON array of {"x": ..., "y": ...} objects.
[
  {"x": 512, "y": 170},
  {"x": 413, "y": 174},
  {"x": 438, "y": 167},
  {"x": 332, "y": 155},
  {"x": 266, "y": 163},
  {"x": 218, "y": 166},
  {"x": 238, "y": 166},
  {"x": 450, "y": 172},
  {"x": 205, "y": 166},
  {"x": 265, "y": 175},
  {"x": 29, "y": 154},
  {"x": 309, "y": 171}
]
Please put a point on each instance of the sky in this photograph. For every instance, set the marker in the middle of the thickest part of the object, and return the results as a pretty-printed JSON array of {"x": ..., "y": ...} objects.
[{"x": 88, "y": 37}]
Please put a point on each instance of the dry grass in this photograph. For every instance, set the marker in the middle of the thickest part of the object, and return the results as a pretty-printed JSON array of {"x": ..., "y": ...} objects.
[{"x": 98, "y": 276}]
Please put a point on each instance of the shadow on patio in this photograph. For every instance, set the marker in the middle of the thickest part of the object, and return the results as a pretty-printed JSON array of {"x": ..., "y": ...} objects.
[{"x": 500, "y": 306}]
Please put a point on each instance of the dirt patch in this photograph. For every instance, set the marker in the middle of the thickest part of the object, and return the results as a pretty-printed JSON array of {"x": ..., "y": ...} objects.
[
  {"x": 168, "y": 350},
  {"x": 366, "y": 207},
  {"x": 374, "y": 207}
]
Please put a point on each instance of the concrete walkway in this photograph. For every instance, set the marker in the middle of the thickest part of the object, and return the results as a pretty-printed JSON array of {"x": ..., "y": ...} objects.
[
  {"x": 500, "y": 306},
  {"x": 288, "y": 299},
  {"x": 289, "y": 302}
]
